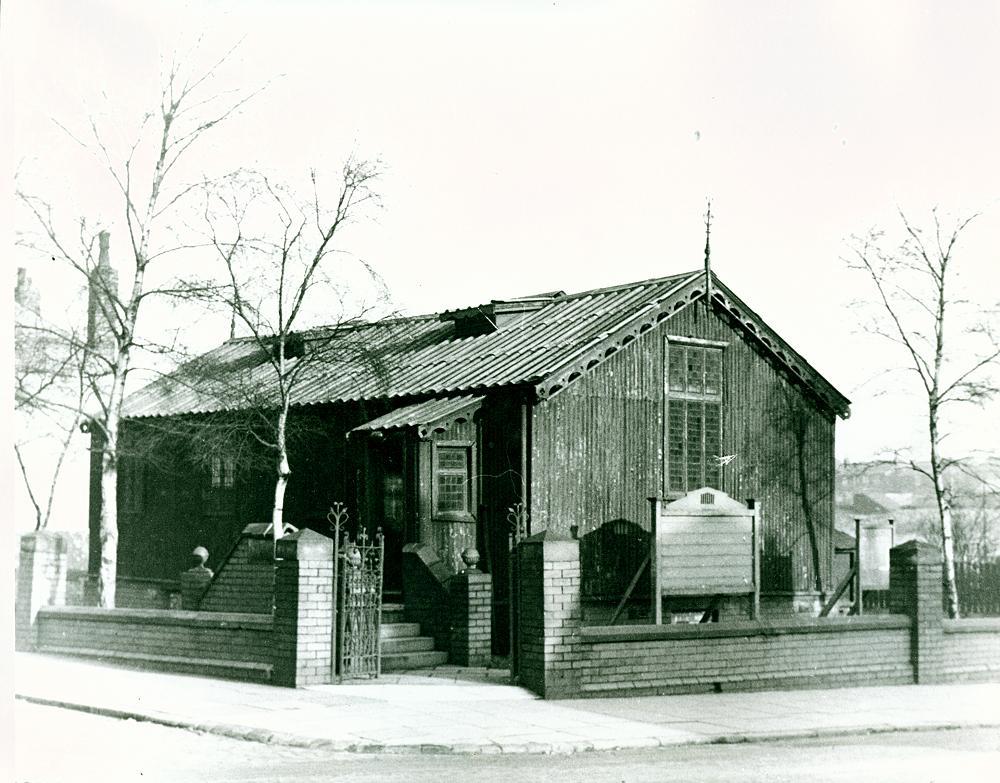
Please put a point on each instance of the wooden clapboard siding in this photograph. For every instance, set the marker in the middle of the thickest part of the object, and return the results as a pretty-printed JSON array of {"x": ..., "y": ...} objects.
[
  {"x": 448, "y": 536},
  {"x": 597, "y": 451},
  {"x": 783, "y": 442},
  {"x": 596, "y": 457}
]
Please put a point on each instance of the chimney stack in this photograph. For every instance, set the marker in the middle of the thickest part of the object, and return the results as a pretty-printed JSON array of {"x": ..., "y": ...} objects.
[{"x": 101, "y": 295}]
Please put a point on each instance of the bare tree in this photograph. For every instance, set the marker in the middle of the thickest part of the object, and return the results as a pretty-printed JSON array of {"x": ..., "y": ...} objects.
[
  {"x": 144, "y": 176},
  {"x": 49, "y": 391},
  {"x": 974, "y": 526},
  {"x": 805, "y": 446},
  {"x": 278, "y": 252},
  {"x": 915, "y": 301}
]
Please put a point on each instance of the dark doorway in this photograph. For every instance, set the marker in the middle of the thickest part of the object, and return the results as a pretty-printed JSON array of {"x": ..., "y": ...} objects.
[{"x": 386, "y": 506}]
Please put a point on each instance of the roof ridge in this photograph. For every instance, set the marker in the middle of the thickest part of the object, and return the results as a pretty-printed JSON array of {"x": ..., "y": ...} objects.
[
  {"x": 623, "y": 286},
  {"x": 549, "y": 349},
  {"x": 346, "y": 326},
  {"x": 555, "y": 297}
]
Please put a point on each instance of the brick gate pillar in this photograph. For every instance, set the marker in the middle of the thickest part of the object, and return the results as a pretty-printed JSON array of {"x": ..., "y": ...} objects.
[
  {"x": 915, "y": 590},
  {"x": 471, "y": 599},
  {"x": 548, "y": 614},
  {"x": 41, "y": 581},
  {"x": 303, "y": 610}
]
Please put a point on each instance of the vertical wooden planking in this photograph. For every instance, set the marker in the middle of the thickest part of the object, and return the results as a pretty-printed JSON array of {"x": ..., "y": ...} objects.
[
  {"x": 598, "y": 449},
  {"x": 760, "y": 408}
]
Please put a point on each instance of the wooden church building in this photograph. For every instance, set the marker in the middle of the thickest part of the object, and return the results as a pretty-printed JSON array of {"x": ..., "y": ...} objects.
[{"x": 578, "y": 407}]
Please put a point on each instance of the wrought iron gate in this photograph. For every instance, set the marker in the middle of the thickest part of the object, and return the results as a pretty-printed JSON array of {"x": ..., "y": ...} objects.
[{"x": 357, "y": 586}]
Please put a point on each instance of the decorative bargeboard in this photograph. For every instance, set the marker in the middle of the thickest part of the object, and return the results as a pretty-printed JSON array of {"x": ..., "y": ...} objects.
[{"x": 704, "y": 544}]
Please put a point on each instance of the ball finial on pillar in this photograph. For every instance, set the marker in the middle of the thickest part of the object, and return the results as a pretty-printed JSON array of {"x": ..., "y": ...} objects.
[{"x": 470, "y": 556}]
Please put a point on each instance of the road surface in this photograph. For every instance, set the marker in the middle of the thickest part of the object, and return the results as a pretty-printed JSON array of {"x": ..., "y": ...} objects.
[{"x": 54, "y": 745}]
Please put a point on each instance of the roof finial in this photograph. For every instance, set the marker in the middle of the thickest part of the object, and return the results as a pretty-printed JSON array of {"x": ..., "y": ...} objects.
[{"x": 708, "y": 255}]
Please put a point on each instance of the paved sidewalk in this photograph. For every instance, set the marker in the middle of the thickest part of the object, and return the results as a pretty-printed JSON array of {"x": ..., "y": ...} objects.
[{"x": 441, "y": 711}]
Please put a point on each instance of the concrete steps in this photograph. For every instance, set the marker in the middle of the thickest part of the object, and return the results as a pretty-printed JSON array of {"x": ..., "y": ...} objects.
[
  {"x": 399, "y": 630},
  {"x": 405, "y": 644},
  {"x": 402, "y": 645}
]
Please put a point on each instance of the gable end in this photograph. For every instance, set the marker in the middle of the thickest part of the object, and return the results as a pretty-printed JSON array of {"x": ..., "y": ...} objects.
[{"x": 740, "y": 317}]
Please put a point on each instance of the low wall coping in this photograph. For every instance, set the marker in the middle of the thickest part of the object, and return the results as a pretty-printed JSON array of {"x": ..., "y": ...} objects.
[
  {"x": 435, "y": 566},
  {"x": 257, "y": 530},
  {"x": 304, "y": 545},
  {"x": 972, "y": 625},
  {"x": 600, "y": 634},
  {"x": 153, "y": 581},
  {"x": 43, "y": 541},
  {"x": 262, "y": 622}
]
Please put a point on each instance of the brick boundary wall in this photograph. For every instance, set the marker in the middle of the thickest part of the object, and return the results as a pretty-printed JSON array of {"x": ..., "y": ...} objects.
[
  {"x": 219, "y": 644},
  {"x": 41, "y": 582},
  {"x": 425, "y": 587},
  {"x": 245, "y": 580},
  {"x": 742, "y": 656},
  {"x": 194, "y": 583},
  {"x": 456, "y": 609},
  {"x": 292, "y": 647},
  {"x": 560, "y": 658},
  {"x": 970, "y": 650},
  {"x": 130, "y": 592}
]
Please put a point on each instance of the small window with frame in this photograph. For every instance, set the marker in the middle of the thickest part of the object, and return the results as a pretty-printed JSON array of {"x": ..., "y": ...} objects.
[
  {"x": 452, "y": 487},
  {"x": 131, "y": 480},
  {"x": 219, "y": 494},
  {"x": 223, "y": 472},
  {"x": 694, "y": 415}
]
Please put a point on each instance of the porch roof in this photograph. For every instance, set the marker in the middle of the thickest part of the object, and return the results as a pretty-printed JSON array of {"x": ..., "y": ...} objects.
[{"x": 434, "y": 415}]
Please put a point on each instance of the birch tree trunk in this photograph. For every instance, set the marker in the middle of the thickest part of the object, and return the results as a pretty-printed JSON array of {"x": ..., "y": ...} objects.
[
  {"x": 284, "y": 471},
  {"x": 107, "y": 575},
  {"x": 181, "y": 126},
  {"x": 913, "y": 290},
  {"x": 944, "y": 516}
]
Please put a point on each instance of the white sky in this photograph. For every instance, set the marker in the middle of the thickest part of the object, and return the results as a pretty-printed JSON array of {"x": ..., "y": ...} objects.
[{"x": 531, "y": 146}]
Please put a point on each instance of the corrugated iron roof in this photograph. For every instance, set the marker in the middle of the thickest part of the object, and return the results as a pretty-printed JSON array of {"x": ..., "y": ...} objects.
[
  {"x": 421, "y": 355},
  {"x": 425, "y": 415}
]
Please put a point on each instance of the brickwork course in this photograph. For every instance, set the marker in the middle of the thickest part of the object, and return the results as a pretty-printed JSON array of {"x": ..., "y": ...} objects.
[
  {"x": 970, "y": 650},
  {"x": 550, "y": 616},
  {"x": 471, "y": 598},
  {"x": 228, "y": 645},
  {"x": 915, "y": 590},
  {"x": 425, "y": 585},
  {"x": 303, "y": 610},
  {"x": 41, "y": 581},
  {"x": 194, "y": 583},
  {"x": 245, "y": 580},
  {"x": 560, "y": 658}
]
